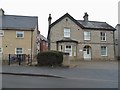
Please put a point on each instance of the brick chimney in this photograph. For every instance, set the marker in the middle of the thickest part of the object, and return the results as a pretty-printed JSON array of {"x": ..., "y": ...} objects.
[
  {"x": 49, "y": 19},
  {"x": 1, "y": 12},
  {"x": 85, "y": 17}
]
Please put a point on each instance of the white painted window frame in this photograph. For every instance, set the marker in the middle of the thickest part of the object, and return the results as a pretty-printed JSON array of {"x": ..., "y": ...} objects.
[
  {"x": 1, "y": 33},
  {"x": 87, "y": 35},
  {"x": 105, "y": 51},
  {"x": 103, "y": 36},
  {"x": 75, "y": 54},
  {"x": 1, "y": 50},
  {"x": 18, "y": 50},
  {"x": 67, "y": 32},
  {"x": 19, "y": 32},
  {"x": 68, "y": 50}
]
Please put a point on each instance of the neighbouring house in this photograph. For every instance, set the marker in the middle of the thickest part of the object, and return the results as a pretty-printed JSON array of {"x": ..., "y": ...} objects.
[
  {"x": 18, "y": 35},
  {"x": 117, "y": 41},
  {"x": 43, "y": 44},
  {"x": 82, "y": 39}
]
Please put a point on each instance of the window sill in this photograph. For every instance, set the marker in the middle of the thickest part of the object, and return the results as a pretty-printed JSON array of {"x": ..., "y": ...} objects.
[
  {"x": 66, "y": 37},
  {"x": 103, "y": 41},
  {"x": 104, "y": 55},
  {"x": 87, "y": 40},
  {"x": 19, "y": 38}
]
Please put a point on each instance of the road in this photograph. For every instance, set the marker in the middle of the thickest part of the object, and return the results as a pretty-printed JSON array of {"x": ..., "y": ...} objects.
[
  {"x": 12, "y": 81},
  {"x": 83, "y": 79},
  {"x": 87, "y": 75}
]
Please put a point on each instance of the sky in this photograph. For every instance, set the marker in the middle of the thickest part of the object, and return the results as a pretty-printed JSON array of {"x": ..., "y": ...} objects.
[{"x": 98, "y": 10}]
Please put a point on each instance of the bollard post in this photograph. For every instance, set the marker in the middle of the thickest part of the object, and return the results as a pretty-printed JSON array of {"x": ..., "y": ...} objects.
[
  {"x": 9, "y": 60},
  {"x": 18, "y": 57}
]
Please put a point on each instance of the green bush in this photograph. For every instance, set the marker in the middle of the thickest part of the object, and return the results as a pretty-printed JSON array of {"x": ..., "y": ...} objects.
[{"x": 50, "y": 58}]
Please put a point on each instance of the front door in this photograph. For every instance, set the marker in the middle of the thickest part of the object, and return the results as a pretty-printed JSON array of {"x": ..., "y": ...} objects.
[{"x": 87, "y": 53}]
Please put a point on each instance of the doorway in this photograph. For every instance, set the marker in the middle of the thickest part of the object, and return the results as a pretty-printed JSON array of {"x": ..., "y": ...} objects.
[{"x": 87, "y": 53}]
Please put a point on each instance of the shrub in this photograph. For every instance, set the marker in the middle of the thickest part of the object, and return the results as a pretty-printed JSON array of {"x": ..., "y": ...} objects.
[{"x": 50, "y": 58}]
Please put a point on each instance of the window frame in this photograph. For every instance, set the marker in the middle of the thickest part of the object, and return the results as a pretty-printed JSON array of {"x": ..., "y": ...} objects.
[
  {"x": 106, "y": 52},
  {"x": 75, "y": 51},
  {"x": 68, "y": 50},
  {"x": 102, "y": 36},
  {"x": 87, "y": 35},
  {"x": 1, "y": 33},
  {"x": 1, "y": 50},
  {"x": 19, "y": 32},
  {"x": 67, "y": 32},
  {"x": 18, "y": 50}
]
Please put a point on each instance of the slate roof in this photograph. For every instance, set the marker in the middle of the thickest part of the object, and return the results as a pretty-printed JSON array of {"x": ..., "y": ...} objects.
[
  {"x": 95, "y": 25},
  {"x": 43, "y": 38},
  {"x": 118, "y": 25},
  {"x": 19, "y": 22}
]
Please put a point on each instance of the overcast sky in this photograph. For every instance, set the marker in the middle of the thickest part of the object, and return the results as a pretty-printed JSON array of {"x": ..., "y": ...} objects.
[{"x": 98, "y": 10}]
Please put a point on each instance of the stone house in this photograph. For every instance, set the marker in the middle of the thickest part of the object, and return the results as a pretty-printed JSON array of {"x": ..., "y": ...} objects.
[
  {"x": 18, "y": 35},
  {"x": 117, "y": 41},
  {"x": 82, "y": 39}
]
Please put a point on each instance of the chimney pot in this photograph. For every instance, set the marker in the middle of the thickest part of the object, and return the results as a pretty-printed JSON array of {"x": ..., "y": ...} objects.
[
  {"x": 49, "y": 19},
  {"x": 1, "y": 12},
  {"x": 85, "y": 16}
]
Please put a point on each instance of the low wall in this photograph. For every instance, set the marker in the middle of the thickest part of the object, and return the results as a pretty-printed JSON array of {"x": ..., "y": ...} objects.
[{"x": 66, "y": 60}]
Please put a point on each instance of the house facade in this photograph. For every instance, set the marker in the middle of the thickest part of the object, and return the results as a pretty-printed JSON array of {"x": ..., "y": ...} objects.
[
  {"x": 82, "y": 39},
  {"x": 18, "y": 35},
  {"x": 43, "y": 44},
  {"x": 117, "y": 41}
]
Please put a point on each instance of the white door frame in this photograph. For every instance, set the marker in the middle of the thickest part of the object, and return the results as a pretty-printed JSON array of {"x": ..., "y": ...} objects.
[
  {"x": 68, "y": 50},
  {"x": 87, "y": 53}
]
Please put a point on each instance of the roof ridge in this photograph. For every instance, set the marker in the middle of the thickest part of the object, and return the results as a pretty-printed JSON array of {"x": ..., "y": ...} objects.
[
  {"x": 118, "y": 24},
  {"x": 93, "y": 21},
  {"x": 22, "y": 16}
]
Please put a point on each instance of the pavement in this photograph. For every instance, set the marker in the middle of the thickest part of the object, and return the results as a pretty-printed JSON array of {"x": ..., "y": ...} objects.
[
  {"x": 29, "y": 71},
  {"x": 76, "y": 69}
]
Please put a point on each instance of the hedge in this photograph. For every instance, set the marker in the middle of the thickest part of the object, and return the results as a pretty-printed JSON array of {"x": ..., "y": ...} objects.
[{"x": 50, "y": 58}]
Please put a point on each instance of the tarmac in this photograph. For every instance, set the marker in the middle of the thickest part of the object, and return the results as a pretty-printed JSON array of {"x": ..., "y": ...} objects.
[{"x": 57, "y": 72}]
